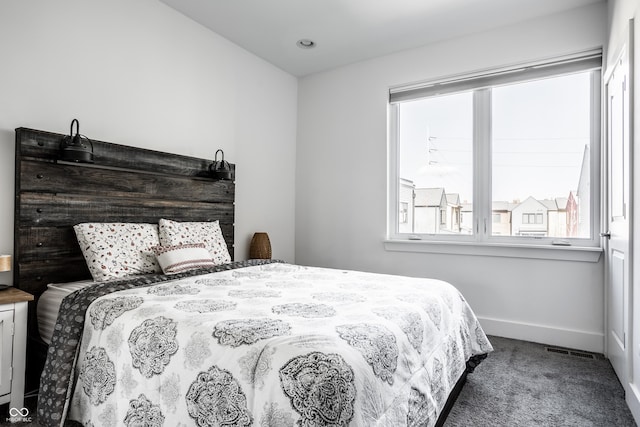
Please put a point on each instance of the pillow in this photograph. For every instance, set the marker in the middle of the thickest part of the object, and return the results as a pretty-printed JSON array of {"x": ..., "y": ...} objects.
[
  {"x": 179, "y": 258},
  {"x": 173, "y": 233},
  {"x": 117, "y": 250}
]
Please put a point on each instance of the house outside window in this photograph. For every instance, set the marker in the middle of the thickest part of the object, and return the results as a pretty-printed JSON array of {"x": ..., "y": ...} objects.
[
  {"x": 404, "y": 212},
  {"x": 406, "y": 206},
  {"x": 503, "y": 143}
]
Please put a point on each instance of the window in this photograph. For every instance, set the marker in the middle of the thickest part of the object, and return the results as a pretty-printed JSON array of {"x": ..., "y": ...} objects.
[
  {"x": 512, "y": 154},
  {"x": 532, "y": 218}
]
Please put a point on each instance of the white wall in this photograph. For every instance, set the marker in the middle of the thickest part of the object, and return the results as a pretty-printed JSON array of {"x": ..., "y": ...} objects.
[
  {"x": 341, "y": 173},
  {"x": 620, "y": 12},
  {"x": 141, "y": 74}
]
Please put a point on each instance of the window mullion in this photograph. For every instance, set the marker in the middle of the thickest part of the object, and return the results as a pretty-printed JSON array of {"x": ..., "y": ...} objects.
[
  {"x": 482, "y": 163},
  {"x": 393, "y": 171}
]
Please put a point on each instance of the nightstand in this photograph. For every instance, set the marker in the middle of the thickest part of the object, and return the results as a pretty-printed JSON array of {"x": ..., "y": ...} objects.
[{"x": 13, "y": 343}]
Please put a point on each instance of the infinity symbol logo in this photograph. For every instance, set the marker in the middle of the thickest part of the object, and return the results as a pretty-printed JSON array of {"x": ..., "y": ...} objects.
[{"x": 14, "y": 412}]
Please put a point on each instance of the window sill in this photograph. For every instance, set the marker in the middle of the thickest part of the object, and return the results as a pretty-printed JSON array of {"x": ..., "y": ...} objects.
[{"x": 561, "y": 253}]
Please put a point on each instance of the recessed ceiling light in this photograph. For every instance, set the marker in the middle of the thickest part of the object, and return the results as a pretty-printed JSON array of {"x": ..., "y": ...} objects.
[{"x": 305, "y": 44}]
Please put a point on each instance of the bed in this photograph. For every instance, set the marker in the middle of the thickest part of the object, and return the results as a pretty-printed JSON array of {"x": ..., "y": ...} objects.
[{"x": 257, "y": 342}]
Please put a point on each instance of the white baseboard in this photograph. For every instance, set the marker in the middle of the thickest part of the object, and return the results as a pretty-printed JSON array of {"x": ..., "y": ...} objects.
[
  {"x": 633, "y": 401},
  {"x": 579, "y": 340}
]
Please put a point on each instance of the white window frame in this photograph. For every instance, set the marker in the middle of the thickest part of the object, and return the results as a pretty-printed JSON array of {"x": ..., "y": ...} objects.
[{"x": 482, "y": 242}]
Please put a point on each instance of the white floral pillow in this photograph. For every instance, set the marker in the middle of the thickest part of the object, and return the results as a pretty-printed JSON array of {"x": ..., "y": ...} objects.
[
  {"x": 116, "y": 250},
  {"x": 180, "y": 258},
  {"x": 180, "y": 233}
]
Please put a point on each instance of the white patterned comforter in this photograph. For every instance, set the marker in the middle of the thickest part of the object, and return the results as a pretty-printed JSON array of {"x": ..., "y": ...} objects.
[{"x": 275, "y": 345}]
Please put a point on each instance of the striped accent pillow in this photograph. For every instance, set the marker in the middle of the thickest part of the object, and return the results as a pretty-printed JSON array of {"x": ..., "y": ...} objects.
[{"x": 180, "y": 258}]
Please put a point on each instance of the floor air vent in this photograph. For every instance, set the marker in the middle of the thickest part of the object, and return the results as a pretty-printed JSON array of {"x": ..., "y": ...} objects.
[
  {"x": 577, "y": 353},
  {"x": 557, "y": 350}
]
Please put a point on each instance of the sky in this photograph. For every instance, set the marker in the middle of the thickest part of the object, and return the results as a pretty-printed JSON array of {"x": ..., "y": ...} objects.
[{"x": 539, "y": 133}]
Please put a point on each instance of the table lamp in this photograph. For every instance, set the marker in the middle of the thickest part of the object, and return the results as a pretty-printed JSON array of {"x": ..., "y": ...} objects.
[
  {"x": 5, "y": 265},
  {"x": 260, "y": 247}
]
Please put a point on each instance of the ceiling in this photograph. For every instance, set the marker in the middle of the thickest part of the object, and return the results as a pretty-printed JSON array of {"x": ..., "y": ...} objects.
[{"x": 347, "y": 31}]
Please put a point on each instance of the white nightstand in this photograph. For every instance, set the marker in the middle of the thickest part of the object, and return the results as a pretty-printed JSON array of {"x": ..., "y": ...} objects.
[{"x": 13, "y": 343}]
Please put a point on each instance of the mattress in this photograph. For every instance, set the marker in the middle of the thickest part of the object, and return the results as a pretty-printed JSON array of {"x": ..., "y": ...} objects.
[
  {"x": 49, "y": 305},
  {"x": 272, "y": 344}
]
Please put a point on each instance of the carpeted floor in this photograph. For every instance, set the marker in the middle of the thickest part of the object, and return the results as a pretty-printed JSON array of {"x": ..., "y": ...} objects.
[{"x": 523, "y": 384}]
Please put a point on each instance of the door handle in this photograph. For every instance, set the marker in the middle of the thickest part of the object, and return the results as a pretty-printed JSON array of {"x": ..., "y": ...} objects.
[{"x": 606, "y": 234}]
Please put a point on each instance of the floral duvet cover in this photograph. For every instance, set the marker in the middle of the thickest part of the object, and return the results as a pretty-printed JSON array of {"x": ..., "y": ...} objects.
[{"x": 268, "y": 345}]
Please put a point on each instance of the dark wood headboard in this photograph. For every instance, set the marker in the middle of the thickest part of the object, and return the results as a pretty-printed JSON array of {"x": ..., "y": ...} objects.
[{"x": 125, "y": 184}]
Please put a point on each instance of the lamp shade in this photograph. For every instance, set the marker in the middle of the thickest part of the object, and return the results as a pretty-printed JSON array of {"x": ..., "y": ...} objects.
[
  {"x": 5, "y": 263},
  {"x": 260, "y": 247}
]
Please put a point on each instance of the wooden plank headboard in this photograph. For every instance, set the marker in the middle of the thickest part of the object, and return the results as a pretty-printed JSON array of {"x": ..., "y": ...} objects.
[{"x": 125, "y": 184}]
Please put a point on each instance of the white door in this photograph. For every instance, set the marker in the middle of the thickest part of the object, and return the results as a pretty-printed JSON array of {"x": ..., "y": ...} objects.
[
  {"x": 618, "y": 260},
  {"x": 6, "y": 340}
]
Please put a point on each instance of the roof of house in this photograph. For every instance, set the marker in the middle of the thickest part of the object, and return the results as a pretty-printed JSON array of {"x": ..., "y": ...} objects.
[
  {"x": 502, "y": 206},
  {"x": 550, "y": 204},
  {"x": 429, "y": 196},
  {"x": 453, "y": 198},
  {"x": 433, "y": 197},
  {"x": 562, "y": 203}
]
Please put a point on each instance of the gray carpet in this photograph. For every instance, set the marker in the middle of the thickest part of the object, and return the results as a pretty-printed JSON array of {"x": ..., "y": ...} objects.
[{"x": 522, "y": 384}]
